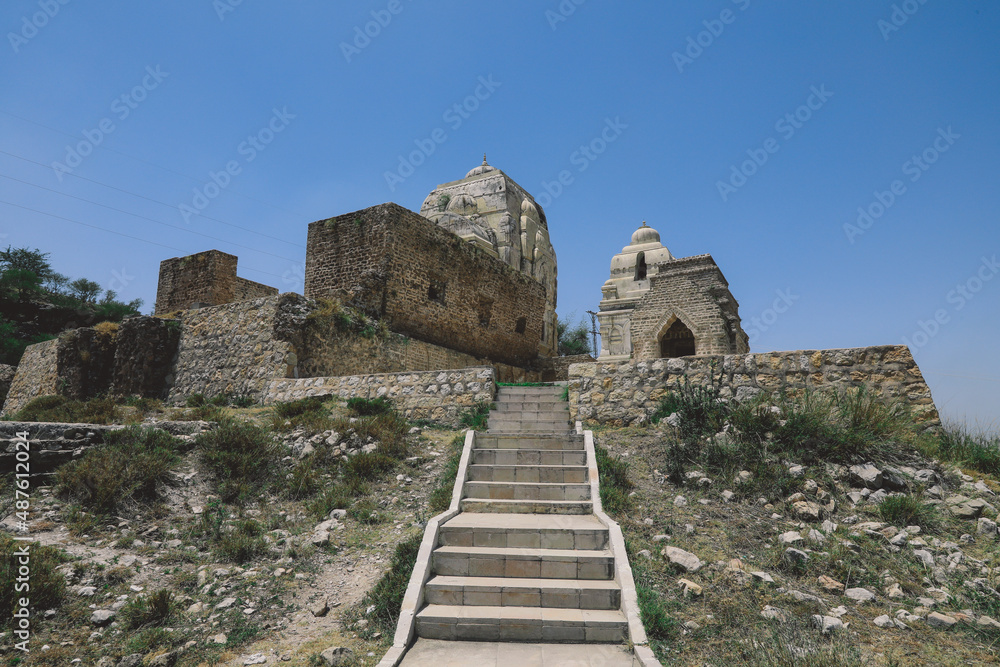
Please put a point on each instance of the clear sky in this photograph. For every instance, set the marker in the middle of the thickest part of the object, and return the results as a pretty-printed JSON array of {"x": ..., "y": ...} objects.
[{"x": 839, "y": 160}]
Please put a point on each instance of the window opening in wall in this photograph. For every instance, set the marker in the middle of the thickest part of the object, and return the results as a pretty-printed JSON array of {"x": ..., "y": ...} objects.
[
  {"x": 677, "y": 341},
  {"x": 640, "y": 266},
  {"x": 485, "y": 311},
  {"x": 435, "y": 292},
  {"x": 521, "y": 326}
]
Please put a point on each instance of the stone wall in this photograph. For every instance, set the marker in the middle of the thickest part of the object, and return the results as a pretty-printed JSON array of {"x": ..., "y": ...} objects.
[
  {"x": 235, "y": 348},
  {"x": 207, "y": 278},
  {"x": 37, "y": 375},
  {"x": 426, "y": 283},
  {"x": 629, "y": 393},
  {"x": 694, "y": 291},
  {"x": 145, "y": 348},
  {"x": 439, "y": 396},
  {"x": 6, "y": 378}
]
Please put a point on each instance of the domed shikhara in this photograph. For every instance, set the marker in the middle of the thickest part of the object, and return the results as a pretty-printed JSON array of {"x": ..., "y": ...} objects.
[
  {"x": 488, "y": 209},
  {"x": 657, "y": 305}
]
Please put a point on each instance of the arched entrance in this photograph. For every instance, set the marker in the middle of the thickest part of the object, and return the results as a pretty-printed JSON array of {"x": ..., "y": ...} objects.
[{"x": 677, "y": 341}]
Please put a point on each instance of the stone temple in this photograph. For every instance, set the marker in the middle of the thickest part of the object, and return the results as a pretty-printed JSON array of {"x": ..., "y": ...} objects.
[
  {"x": 488, "y": 209},
  {"x": 656, "y": 305}
]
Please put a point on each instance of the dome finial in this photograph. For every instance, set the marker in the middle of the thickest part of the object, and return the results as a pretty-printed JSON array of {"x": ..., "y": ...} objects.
[
  {"x": 644, "y": 223},
  {"x": 484, "y": 160}
]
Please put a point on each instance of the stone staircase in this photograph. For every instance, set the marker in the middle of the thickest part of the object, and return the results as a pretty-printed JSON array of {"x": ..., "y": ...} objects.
[{"x": 526, "y": 559}]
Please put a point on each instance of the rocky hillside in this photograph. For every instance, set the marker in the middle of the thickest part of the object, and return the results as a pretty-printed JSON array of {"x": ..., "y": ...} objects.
[{"x": 808, "y": 532}]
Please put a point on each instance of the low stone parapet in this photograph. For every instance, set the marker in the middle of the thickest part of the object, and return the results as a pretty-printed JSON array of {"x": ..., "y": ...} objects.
[
  {"x": 630, "y": 392},
  {"x": 438, "y": 396}
]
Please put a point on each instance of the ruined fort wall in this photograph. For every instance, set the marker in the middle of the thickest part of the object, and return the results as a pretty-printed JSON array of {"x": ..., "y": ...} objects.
[
  {"x": 37, "y": 375},
  {"x": 629, "y": 393},
  {"x": 203, "y": 278},
  {"x": 694, "y": 290},
  {"x": 439, "y": 396},
  {"x": 426, "y": 283}
]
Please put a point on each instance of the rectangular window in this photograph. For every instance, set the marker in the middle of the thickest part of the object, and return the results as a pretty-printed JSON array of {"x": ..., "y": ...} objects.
[
  {"x": 484, "y": 309},
  {"x": 521, "y": 326},
  {"x": 435, "y": 292}
]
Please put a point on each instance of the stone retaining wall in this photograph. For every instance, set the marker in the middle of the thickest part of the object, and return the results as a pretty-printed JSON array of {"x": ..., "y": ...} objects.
[
  {"x": 37, "y": 375},
  {"x": 629, "y": 393},
  {"x": 439, "y": 396}
]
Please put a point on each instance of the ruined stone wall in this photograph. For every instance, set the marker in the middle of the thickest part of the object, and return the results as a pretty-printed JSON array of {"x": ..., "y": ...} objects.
[
  {"x": 693, "y": 290},
  {"x": 628, "y": 393},
  {"x": 145, "y": 348},
  {"x": 231, "y": 349},
  {"x": 7, "y": 373},
  {"x": 37, "y": 375},
  {"x": 439, "y": 396},
  {"x": 204, "y": 278},
  {"x": 426, "y": 283}
]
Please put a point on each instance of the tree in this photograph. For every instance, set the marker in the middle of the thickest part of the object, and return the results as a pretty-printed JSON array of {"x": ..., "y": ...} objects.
[
  {"x": 573, "y": 339},
  {"x": 23, "y": 270},
  {"x": 85, "y": 290}
]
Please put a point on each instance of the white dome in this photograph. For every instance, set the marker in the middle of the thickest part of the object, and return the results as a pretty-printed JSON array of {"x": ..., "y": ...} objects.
[{"x": 645, "y": 235}]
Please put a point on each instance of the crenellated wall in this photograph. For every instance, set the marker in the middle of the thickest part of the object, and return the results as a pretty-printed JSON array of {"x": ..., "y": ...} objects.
[{"x": 629, "y": 393}]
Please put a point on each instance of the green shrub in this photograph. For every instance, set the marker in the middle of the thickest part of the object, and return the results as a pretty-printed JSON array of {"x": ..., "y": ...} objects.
[
  {"x": 902, "y": 511},
  {"x": 243, "y": 543},
  {"x": 148, "y": 610},
  {"x": 660, "y": 626},
  {"x": 388, "y": 428},
  {"x": 243, "y": 456},
  {"x": 366, "y": 407},
  {"x": 387, "y": 594},
  {"x": 699, "y": 408},
  {"x": 477, "y": 418},
  {"x": 129, "y": 467},
  {"x": 48, "y": 586},
  {"x": 334, "y": 497},
  {"x": 365, "y": 511},
  {"x": 977, "y": 451},
  {"x": 312, "y": 412},
  {"x": 62, "y": 409},
  {"x": 615, "y": 484},
  {"x": 368, "y": 466}
]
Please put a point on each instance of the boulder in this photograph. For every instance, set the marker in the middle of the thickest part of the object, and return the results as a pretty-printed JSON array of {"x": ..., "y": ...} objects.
[{"x": 684, "y": 559}]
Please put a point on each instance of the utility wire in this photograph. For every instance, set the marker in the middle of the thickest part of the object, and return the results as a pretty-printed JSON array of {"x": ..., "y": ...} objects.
[
  {"x": 117, "y": 233},
  {"x": 151, "y": 164},
  {"x": 142, "y": 217},
  {"x": 155, "y": 201}
]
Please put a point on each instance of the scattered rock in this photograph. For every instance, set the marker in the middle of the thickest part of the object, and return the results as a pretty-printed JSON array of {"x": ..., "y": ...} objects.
[
  {"x": 884, "y": 621},
  {"x": 102, "y": 617},
  {"x": 690, "y": 588},
  {"x": 226, "y": 603},
  {"x": 681, "y": 558},
  {"x": 865, "y": 475},
  {"x": 680, "y": 501},
  {"x": 775, "y": 614},
  {"x": 860, "y": 595},
  {"x": 337, "y": 656},
  {"x": 937, "y": 620},
  {"x": 795, "y": 556},
  {"x": 828, "y": 625},
  {"x": 320, "y": 608},
  {"x": 218, "y": 639},
  {"x": 830, "y": 585},
  {"x": 255, "y": 659},
  {"x": 925, "y": 557},
  {"x": 791, "y": 537},
  {"x": 807, "y": 511}
]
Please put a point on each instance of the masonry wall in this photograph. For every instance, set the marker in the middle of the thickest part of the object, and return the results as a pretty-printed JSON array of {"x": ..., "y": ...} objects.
[
  {"x": 145, "y": 349},
  {"x": 426, "y": 283},
  {"x": 629, "y": 393},
  {"x": 439, "y": 396},
  {"x": 693, "y": 290},
  {"x": 7, "y": 374},
  {"x": 37, "y": 375},
  {"x": 231, "y": 349},
  {"x": 205, "y": 278}
]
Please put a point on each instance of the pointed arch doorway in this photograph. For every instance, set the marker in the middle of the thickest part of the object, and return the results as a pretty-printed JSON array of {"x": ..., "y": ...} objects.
[{"x": 677, "y": 341}]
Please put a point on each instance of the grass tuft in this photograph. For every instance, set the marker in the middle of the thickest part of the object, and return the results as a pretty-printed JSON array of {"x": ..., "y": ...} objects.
[{"x": 243, "y": 457}]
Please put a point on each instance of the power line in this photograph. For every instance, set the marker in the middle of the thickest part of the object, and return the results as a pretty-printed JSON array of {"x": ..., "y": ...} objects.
[
  {"x": 117, "y": 233},
  {"x": 155, "y": 201},
  {"x": 151, "y": 164},
  {"x": 143, "y": 217}
]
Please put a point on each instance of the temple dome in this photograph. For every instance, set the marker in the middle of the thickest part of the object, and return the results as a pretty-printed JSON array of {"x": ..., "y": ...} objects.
[
  {"x": 481, "y": 169},
  {"x": 645, "y": 235}
]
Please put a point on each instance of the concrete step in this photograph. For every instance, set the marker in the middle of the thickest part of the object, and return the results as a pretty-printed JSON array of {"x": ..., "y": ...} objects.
[
  {"x": 529, "y": 457},
  {"x": 523, "y": 562},
  {"x": 496, "y": 505},
  {"x": 569, "y": 441},
  {"x": 527, "y": 491},
  {"x": 530, "y": 391},
  {"x": 530, "y": 429},
  {"x": 529, "y": 531},
  {"x": 515, "y": 406},
  {"x": 520, "y": 624},
  {"x": 518, "y": 592},
  {"x": 529, "y": 418},
  {"x": 558, "y": 474}
]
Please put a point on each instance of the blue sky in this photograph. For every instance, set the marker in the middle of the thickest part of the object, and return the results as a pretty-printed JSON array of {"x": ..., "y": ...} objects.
[{"x": 829, "y": 102}]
